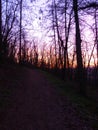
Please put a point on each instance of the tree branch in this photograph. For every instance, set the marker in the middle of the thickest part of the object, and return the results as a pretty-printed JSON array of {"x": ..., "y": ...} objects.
[{"x": 89, "y": 5}]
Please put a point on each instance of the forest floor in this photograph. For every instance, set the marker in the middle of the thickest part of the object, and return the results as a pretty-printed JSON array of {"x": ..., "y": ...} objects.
[{"x": 30, "y": 101}]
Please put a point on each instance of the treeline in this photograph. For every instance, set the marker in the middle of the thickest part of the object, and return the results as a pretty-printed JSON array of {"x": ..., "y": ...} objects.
[{"x": 70, "y": 54}]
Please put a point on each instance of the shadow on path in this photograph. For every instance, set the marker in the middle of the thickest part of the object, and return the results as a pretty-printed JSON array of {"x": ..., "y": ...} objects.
[{"x": 36, "y": 105}]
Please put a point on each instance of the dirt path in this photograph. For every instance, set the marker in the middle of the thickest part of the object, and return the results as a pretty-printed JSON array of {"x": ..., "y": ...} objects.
[{"x": 36, "y": 105}]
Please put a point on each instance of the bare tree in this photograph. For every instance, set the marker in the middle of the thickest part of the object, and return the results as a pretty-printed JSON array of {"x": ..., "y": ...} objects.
[
  {"x": 20, "y": 29},
  {"x": 96, "y": 30},
  {"x": 67, "y": 31},
  {"x": 93, "y": 5},
  {"x": 80, "y": 71},
  {"x": 54, "y": 32},
  {"x": 9, "y": 25},
  {"x": 0, "y": 29}
]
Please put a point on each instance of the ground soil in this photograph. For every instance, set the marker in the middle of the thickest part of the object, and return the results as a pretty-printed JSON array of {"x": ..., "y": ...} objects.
[{"x": 33, "y": 103}]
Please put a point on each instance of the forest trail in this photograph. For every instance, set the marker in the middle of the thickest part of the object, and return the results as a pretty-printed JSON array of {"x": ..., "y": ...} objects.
[{"x": 36, "y": 105}]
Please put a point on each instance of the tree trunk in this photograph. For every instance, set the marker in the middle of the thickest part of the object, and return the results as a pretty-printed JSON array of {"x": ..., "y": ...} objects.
[
  {"x": 20, "y": 30},
  {"x": 0, "y": 29},
  {"x": 80, "y": 75},
  {"x": 96, "y": 42},
  {"x": 96, "y": 32},
  {"x": 54, "y": 31}
]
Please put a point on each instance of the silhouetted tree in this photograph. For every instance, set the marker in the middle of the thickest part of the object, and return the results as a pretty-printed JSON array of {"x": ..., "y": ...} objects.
[
  {"x": 0, "y": 29},
  {"x": 35, "y": 54},
  {"x": 20, "y": 29},
  {"x": 80, "y": 75},
  {"x": 54, "y": 33},
  {"x": 93, "y": 5}
]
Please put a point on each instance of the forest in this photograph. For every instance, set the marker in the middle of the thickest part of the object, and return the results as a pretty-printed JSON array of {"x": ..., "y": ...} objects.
[
  {"x": 48, "y": 64},
  {"x": 70, "y": 45}
]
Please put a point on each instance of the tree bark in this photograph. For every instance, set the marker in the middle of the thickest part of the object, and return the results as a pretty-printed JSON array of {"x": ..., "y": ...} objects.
[
  {"x": 80, "y": 74},
  {"x": 20, "y": 30},
  {"x": 0, "y": 29}
]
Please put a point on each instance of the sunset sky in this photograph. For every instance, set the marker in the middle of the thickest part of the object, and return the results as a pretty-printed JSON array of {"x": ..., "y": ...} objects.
[
  {"x": 36, "y": 23},
  {"x": 33, "y": 18}
]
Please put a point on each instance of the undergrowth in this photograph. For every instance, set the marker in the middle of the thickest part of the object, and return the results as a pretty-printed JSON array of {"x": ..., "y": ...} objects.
[{"x": 88, "y": 107}]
